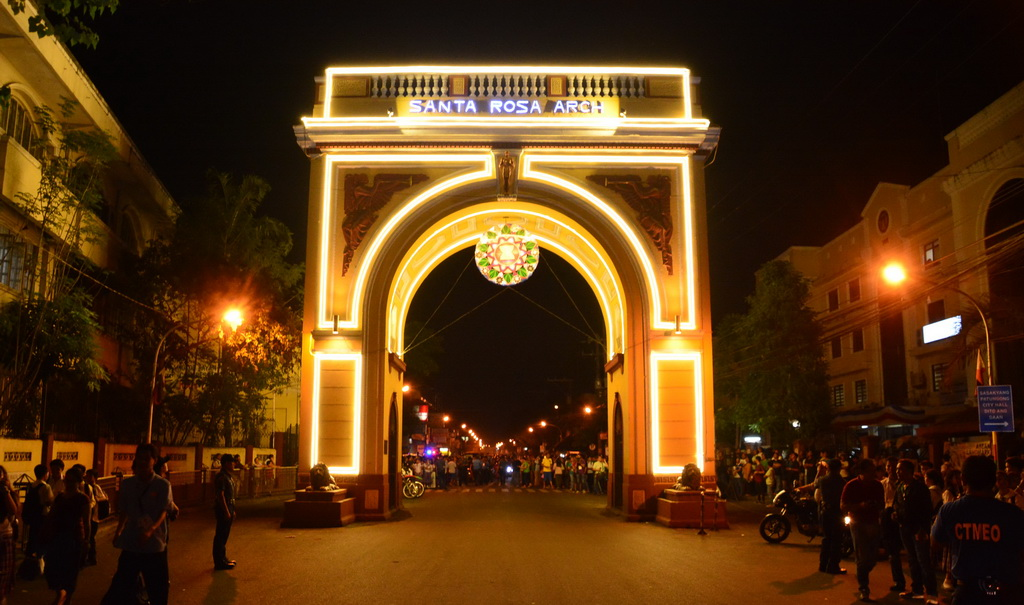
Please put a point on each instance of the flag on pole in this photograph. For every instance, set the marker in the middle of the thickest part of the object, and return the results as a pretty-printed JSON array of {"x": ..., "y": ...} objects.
[{"x": 980, "y": 371}]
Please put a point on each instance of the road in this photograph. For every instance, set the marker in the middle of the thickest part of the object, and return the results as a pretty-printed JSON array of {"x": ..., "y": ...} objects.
[{"x": 484, "y": 546}]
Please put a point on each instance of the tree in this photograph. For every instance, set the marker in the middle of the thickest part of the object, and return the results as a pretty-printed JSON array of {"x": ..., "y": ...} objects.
[
  {"x": 215, "y": 380},
  {"x": 770, "y": 370},
  {"x": 50, "y": 331}
]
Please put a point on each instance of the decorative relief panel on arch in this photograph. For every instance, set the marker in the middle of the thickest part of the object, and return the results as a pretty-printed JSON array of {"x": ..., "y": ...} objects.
[
  {"x": 363, "y": 201},
  {"x": 652, "y": 203}
]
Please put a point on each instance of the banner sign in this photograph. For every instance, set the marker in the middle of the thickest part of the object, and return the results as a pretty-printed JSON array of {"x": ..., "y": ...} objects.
[
  {"x": 583, "y": 107},
  {"x": 995, "y": 409}
]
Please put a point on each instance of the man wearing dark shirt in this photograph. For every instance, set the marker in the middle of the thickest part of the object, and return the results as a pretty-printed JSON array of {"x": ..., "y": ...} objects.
[
  {"x": 863, "y": 498},
  {"x": 985, "y": 538},
  {"x": 912, "y": 511},
  {"x": 830, "y": 486},
  {"x": 224, "y": 509}
]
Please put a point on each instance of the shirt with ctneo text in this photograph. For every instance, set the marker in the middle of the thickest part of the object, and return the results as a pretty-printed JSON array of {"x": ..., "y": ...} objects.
[{"x": 985, "y": 537}]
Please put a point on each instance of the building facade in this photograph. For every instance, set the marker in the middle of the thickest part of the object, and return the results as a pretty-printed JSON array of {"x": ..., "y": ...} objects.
[
  {"x": 905, "y": 360},
  {"x": 134, "y": 207}
]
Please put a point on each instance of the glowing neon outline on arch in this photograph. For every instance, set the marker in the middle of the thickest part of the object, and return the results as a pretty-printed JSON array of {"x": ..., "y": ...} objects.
[{"x": 468, "y": 239}]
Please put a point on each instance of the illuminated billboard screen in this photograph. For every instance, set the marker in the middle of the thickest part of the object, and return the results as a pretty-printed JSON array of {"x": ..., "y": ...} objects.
[{"x": 941, "y": 329}]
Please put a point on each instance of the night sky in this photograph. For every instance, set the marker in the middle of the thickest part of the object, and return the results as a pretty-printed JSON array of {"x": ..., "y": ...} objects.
[{"x": 818, "y": 102}]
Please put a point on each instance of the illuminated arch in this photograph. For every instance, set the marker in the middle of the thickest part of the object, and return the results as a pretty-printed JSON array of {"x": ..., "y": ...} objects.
[{"x": 462, "y": 228}]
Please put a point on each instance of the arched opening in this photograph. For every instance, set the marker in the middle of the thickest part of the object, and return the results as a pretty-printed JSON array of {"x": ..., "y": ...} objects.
[
  {"x": 1004, "y": 243},
  {"x": 393, "y": 448},
  {"x": 618, "y": 469},
  {"x": 468, "y": 360}
]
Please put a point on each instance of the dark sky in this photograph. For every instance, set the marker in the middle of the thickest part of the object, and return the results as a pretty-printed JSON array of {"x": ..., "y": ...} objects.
[{"x": 818, "y": 102}]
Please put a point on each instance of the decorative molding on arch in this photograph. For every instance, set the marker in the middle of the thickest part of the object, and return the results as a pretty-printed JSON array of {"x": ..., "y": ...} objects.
[
  {"x": 480, "y": 166},
  {"x": 686, "y": 280}
]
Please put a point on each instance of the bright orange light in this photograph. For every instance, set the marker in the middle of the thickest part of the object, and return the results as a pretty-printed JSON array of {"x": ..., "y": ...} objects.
[
  {"x": 587, "y": 410},
  {"x": 405, "y": 389},
  {"x": 530, "y": 429},
  {"x": 894, "y": 273},
  {"x": 543, "y": 422},
  {"x": 446, "y": 418},
  {"x": 463, "y": 425},
  {"x": 233, "y": 317}
]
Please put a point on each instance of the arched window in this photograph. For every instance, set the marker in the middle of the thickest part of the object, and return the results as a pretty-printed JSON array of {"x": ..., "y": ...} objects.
[
  {"x": 17, "y": 122},
  {"x": 128, "y": 231}
]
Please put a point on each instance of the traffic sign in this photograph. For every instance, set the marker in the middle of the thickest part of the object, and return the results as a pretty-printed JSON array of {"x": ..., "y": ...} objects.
[{"x": 995, "y": 409}]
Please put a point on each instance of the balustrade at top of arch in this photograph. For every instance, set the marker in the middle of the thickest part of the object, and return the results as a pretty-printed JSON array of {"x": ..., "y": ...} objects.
[{"x": 507, "y": 85}]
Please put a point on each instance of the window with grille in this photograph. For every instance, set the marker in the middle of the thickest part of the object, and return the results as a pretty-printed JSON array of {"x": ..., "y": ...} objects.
[
  {"x": 17, "y": 122},
  {"x": 858, "y": 340},
  {"x": 837, "y": 347},
  {"x": 838, "y": 395},
  {"x": 860, "y": 391},
  {"x": 14, "y": 258},
  {"x": 833, "y": 300},
  {"x": 931, "y": 252},
  {"x": 854, "y": 289}
]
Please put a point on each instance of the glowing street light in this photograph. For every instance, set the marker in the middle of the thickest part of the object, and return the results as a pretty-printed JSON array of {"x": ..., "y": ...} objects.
[
  {"x": 588, "y": 410},
  {"x": 233, "y": 317},
  {"x": 895, "y": 274},
  {"x": 406, "y": 388}
]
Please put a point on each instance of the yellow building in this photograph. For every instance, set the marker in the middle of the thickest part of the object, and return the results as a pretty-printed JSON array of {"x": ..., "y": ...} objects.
[
  {"x": 601, "y": 166},
  {"x": 896, "y": 360},
  {"x": 42, "y": 73}
]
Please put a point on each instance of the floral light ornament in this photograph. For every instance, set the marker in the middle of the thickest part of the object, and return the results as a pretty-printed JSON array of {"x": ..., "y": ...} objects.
[{"x": 507, "y": 255}]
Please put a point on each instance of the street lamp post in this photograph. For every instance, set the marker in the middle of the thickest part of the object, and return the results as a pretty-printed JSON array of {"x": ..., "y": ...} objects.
[
  {"x": 152, "y": 383},
  {"x": 895, "y": 274}
]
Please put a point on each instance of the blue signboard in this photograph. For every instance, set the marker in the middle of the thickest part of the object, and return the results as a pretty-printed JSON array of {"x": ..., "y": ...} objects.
[{"x": 995, "y": 409}]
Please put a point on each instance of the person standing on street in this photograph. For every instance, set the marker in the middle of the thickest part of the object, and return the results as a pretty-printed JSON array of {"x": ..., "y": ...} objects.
[
  {"x": 224, "y": 509},
  {"x": 69, "y": 528},
  {"x": 830, "y": 486},
  {"x": 8, "y": 517},
  {"x": 912, "y": 511},
  {"x": 985, "y": 539},
  {"x": 141, "y": 535},
  {"x": 890, "y": 529},
  {"x": 863, "y": 499}
]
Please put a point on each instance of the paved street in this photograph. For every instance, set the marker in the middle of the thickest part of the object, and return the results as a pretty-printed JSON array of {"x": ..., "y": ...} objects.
[{"x": 484, "y": 546}]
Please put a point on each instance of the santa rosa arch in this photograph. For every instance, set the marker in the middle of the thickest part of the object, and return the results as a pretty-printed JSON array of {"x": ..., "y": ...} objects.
[{"x": 602, "y": 166}]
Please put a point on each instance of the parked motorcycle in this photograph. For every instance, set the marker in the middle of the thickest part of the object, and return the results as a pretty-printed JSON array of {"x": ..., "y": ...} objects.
[
  {"x": 412, "y": 486},
  {"x": 802, "y": 512}
]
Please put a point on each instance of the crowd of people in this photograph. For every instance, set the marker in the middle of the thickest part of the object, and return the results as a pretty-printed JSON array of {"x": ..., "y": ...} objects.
[
  {"x": 61, "y": 514},
  {"x": 558, "y": 470},
  {"x": 908, "y": 509}
]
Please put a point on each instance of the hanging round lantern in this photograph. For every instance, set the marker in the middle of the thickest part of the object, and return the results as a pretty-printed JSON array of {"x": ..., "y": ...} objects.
[{"x": 507, "y": 255}]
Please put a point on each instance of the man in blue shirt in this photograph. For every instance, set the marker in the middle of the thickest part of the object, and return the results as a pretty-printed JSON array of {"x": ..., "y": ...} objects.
[
  {"x": 141, "y": 533},
  {"x": 985, "y": 538}
]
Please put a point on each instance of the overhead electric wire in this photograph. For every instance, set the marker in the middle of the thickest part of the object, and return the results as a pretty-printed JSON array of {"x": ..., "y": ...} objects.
[
  {"x": 457, "y": 319},
  {"x": 413, "y": 343},
  {"x": 573, "y": 301},
  {"x": 559, "y": 318}
]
